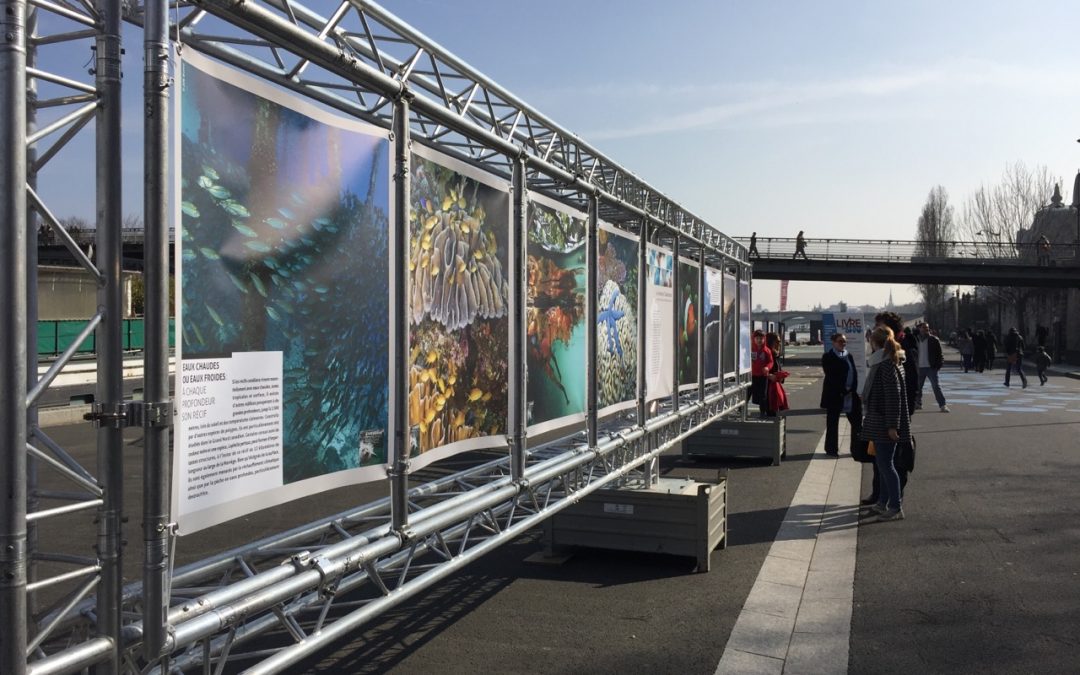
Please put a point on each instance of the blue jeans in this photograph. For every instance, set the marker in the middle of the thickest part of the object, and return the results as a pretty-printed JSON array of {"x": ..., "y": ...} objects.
[
  {"x": 890, "y": 479},
  {"x": 1019, "y": 365},
  {"x": 930, "y": 373}
]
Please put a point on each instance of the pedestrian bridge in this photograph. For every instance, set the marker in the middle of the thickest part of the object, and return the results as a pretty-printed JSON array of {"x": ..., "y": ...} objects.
[{"x": 940, "y": 262}]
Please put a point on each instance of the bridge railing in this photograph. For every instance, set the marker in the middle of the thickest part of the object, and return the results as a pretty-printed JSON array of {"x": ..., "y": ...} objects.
[{"x": 906, "y": 251}]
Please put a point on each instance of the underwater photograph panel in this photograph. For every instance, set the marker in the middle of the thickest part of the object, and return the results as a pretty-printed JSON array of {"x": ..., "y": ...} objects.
[
  {"x": 555, "y": 316},
  {"x": 616, "y": 317},
  {"x": 284, "y": 243},
  {"x": 710, "y": 316},
  {"x": 458, "y": 305},
  {"x": 688, "y": 317},
  {"x": 729, "y": 322}
]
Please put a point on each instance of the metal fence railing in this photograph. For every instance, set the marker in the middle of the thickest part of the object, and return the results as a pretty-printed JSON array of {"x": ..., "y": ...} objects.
[
  {"x": 56, "y": 336},
  {"x": 898, "y": 251}
]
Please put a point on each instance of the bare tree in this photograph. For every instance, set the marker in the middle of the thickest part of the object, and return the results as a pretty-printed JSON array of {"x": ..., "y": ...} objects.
[
  {"x": 935, "y": 230},
  {"x": 994, "y": 215}
]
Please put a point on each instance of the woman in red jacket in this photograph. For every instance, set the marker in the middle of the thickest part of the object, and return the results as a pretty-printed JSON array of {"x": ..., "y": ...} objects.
[{"x": 761, "y": 365}]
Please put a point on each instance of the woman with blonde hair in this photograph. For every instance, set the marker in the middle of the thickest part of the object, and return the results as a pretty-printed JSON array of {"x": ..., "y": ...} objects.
[{"x": 887, "y": 421}]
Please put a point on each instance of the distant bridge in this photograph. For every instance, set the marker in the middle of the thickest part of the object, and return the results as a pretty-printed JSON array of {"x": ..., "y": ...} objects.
[{"x": 890, "y": 261}]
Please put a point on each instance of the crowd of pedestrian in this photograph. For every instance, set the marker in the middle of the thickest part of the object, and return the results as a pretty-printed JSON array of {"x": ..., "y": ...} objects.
[{"x": 879, "y": 409}]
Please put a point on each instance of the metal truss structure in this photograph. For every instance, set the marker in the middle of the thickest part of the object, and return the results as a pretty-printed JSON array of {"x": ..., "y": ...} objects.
[{"x": 273, "y": 602}]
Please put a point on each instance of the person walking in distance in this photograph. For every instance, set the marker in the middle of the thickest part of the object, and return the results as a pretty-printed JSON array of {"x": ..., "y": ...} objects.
[
  {"x": 991, "y": 349},
  {"x": 930, "y": 362},
  {"x": 753, "y": 246},
  {"x": 1014, "y": 356},
  {"x": 966, "y": 345},
  {"x": 800, "y": 247},
  {"x": 839, "y": 392},
  {"x": 980, "y": 345},
  {"x": 887, "y": 422},
  {"x": 1042, "y": 362}
]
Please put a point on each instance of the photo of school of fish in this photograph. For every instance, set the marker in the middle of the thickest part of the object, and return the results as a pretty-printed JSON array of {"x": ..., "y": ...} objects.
[
  {"x": 284, "y": 246},
  {"x": 458, "y": 231}
]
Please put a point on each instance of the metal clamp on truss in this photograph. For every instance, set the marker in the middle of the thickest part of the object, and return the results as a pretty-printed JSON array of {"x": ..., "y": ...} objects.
[
  {"x": 114, "y": 416},
  {"x": 149, "y": 414}
]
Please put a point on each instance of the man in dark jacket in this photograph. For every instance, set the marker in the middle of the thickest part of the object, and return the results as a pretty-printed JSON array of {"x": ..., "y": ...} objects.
[
  {"x": 1014, "y": 355},
  {"x": 930, "y": 360},
  {"x": 839, "y": 393}
]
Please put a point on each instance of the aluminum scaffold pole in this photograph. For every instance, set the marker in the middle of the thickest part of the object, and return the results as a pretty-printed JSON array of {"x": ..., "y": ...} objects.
[
  {"x": 109, "y": 406},
  {"x": 157, "y": 413},
  {"x": 400, "y": 437},
  {"x": 13, "y": 553},
  {"x": 591, "y": 300},
  {"x": 649, "y": 470},
  {"x": 518, "y": 334},
  {"x": 676, "y": 310}
]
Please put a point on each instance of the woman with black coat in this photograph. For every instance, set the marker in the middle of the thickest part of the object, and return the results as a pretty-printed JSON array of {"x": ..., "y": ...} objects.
[{"x": 887, "y": 422}]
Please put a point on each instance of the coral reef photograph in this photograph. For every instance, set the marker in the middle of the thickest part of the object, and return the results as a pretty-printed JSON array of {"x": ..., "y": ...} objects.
[
  {"x": 616, "y": 318},
  {"x": 458, "y": 229},
  {"x": 555, "y": 316},
  {"x": 283, "y": 240},
  {"x": 729, "y": 323},
  {"x": 710, "y": 316}
]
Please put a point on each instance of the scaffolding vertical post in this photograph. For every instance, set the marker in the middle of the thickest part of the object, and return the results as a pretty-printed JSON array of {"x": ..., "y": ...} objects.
[
  {"x": 676, "y": 309},
  {"x": 518, "y": 329},
  {"x": 31, "y": 303},
  {"x": 110, "y": 384},
  {"x": 13, "y": 553},
  {"x": 400, "y": 445},
  {"x": 649, "y": 473},
  {"x": 745, "y": 408},
  {"x": 158, "y": 417},
  {"x": 592, "y": 266},
  {"x": 700, "y": 329}
]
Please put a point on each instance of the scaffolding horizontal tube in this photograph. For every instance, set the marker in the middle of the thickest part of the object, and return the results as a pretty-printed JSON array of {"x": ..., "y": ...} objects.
[
  {"x": 62, "y": 510},
  {"x": 72, "y": 659},
  {"x": 60, "y": 578}
]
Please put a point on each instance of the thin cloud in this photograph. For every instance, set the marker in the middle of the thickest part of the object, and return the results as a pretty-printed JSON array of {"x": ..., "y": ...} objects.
[{"x": 775, "y": 101}]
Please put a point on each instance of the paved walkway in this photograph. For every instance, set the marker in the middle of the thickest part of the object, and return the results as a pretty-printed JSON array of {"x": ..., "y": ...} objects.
[{"x": 797, "y": 617}]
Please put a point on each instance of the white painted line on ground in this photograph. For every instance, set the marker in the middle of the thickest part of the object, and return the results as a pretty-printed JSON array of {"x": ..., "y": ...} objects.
[{"x": 797, "y": 618}]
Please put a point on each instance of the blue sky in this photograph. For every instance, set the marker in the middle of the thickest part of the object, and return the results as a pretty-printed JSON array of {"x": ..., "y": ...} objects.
[{"x": 832, "y": 117}]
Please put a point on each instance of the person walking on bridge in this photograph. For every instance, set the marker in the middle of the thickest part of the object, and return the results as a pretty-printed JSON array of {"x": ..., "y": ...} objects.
[
  {"x": 930, "y": 362},
  {"x": 800, "y": 247},
  {"x": 1014, "y": 356},
  {"x": 753, "y": 246}
]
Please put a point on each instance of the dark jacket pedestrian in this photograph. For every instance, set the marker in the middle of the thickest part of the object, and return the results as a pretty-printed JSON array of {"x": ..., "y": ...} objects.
[
  {"x": 1042, "y": 363},
  {"x": 978, "y": 354},
  {"x": 1014, "y": 355},
  {"x": 839, "y": 392},
  {"x": 800, "y": 246},
  {"x": 991, "y": 349}
]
